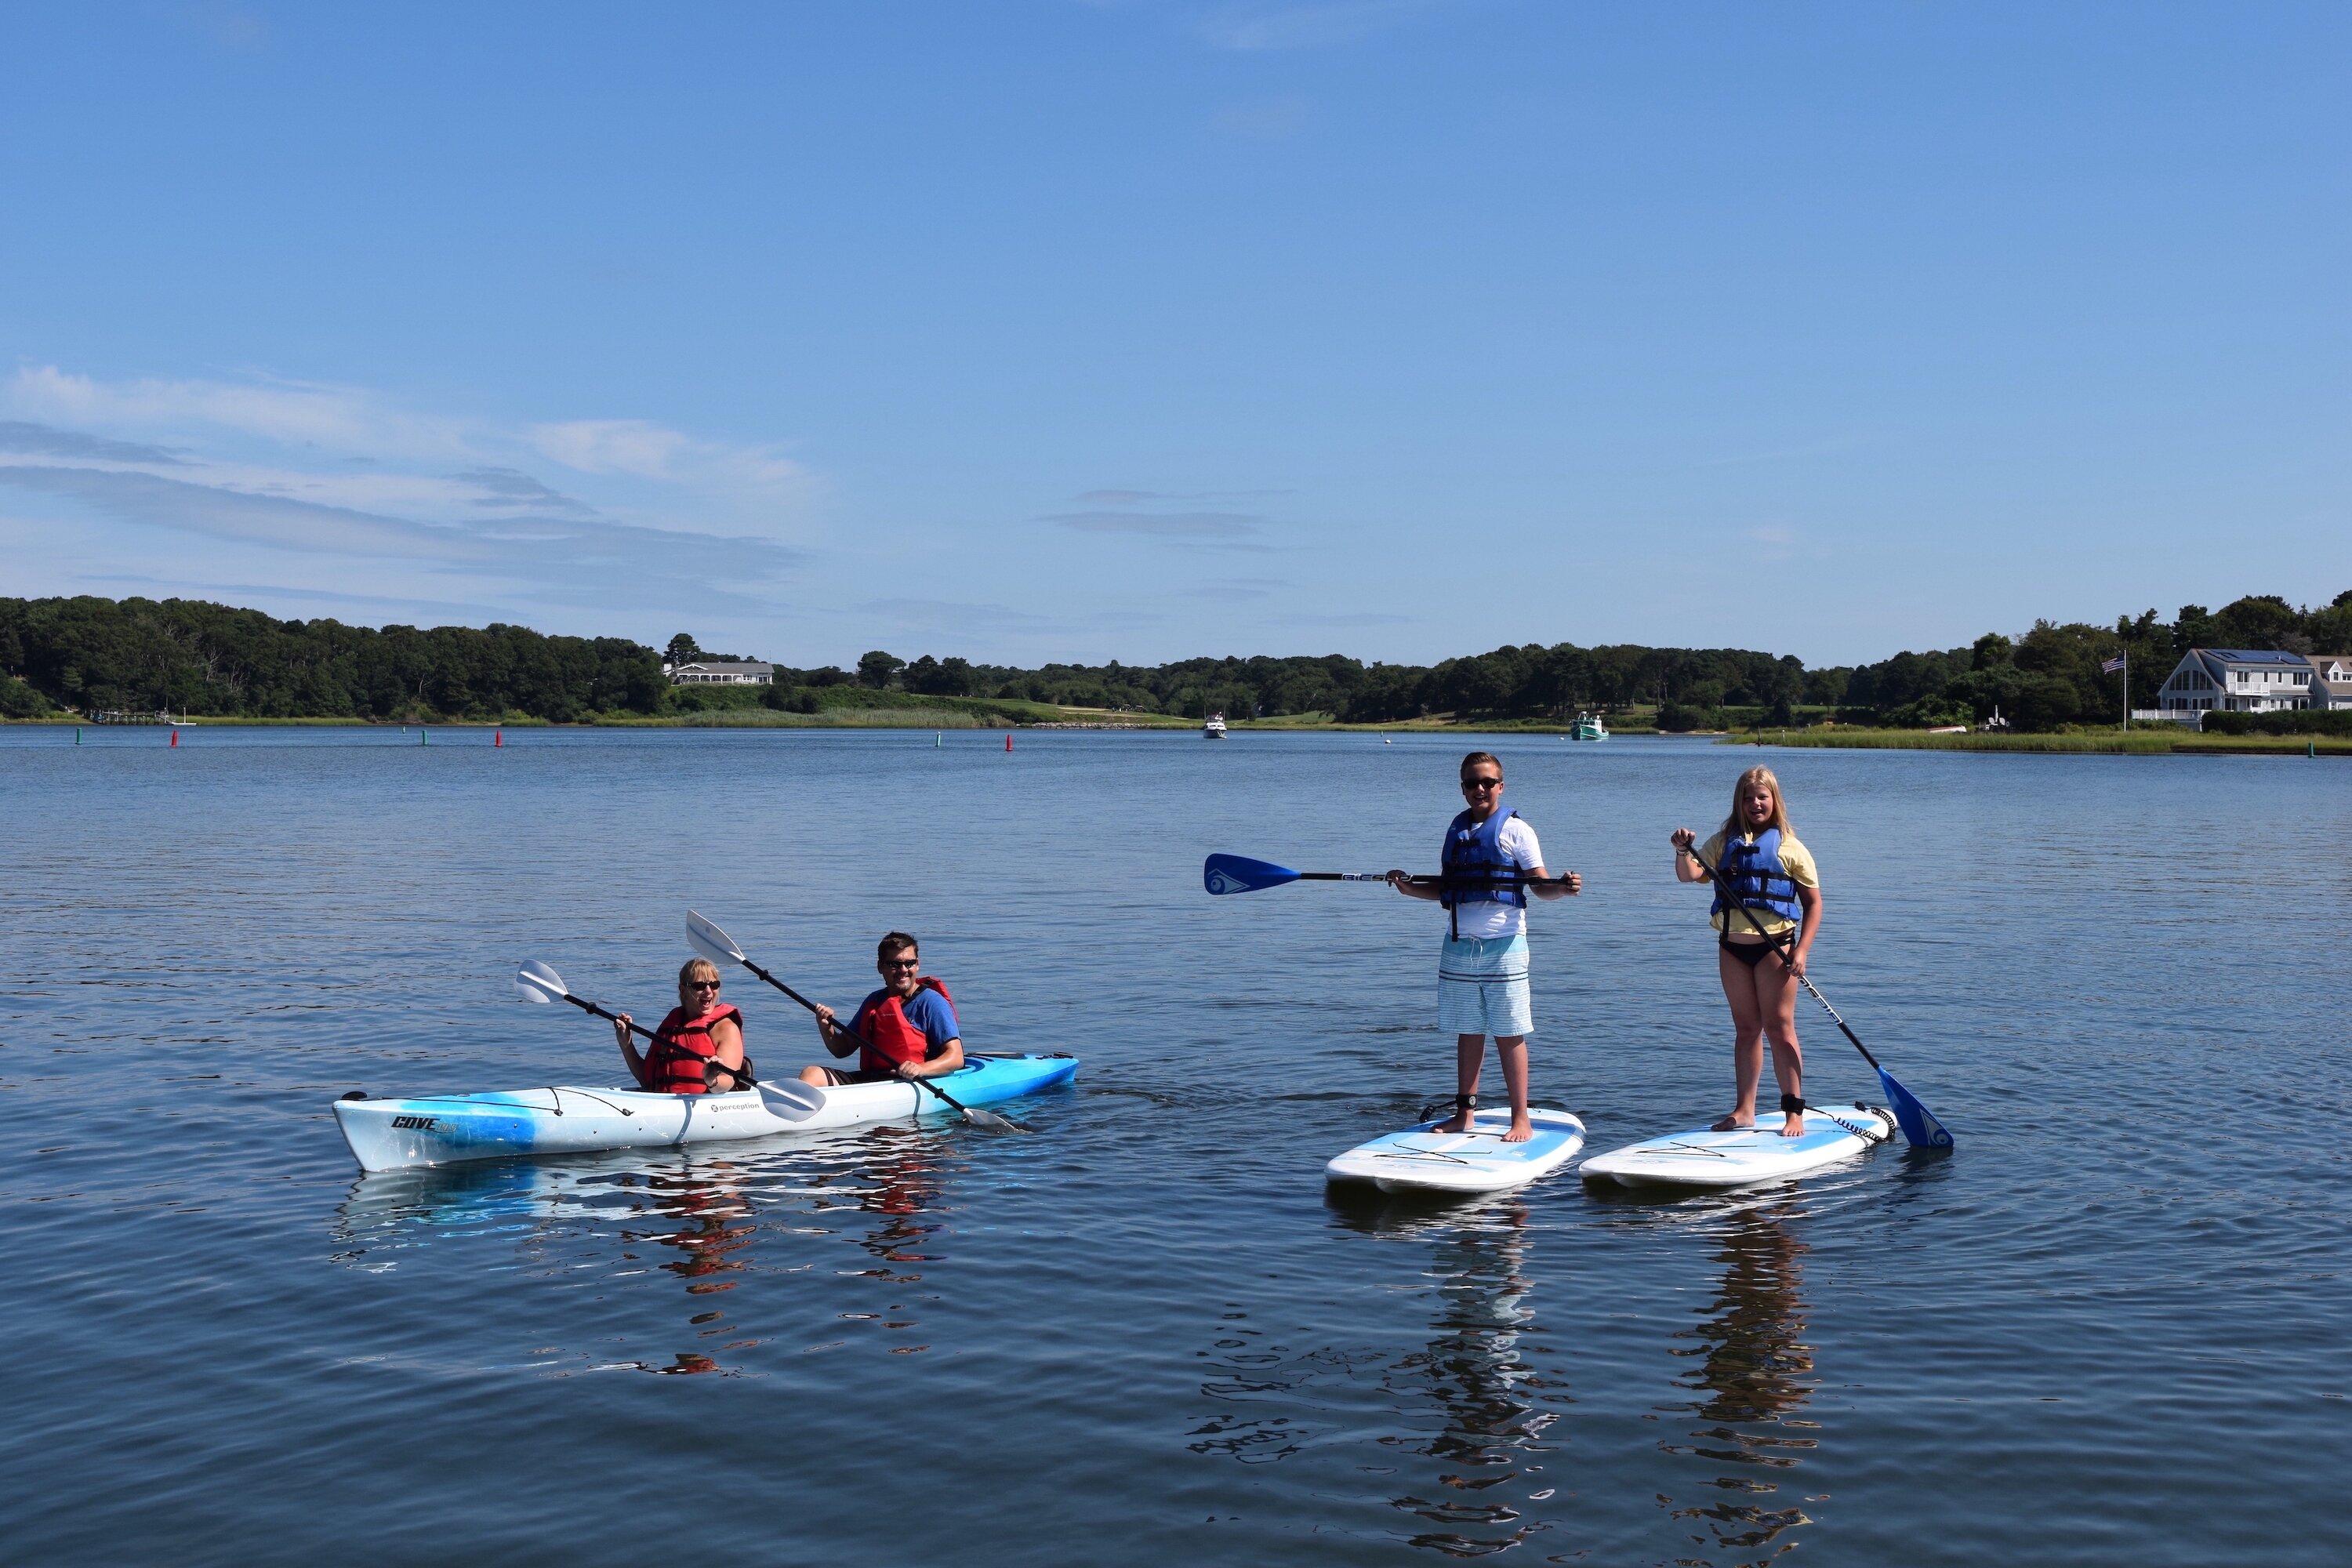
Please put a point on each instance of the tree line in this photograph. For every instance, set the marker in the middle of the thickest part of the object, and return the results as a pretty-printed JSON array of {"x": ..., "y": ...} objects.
[{"x": 87, "y": 654}]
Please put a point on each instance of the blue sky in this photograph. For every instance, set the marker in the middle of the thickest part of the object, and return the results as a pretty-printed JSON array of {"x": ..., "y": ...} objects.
[{"x": 1072, "y": 331}]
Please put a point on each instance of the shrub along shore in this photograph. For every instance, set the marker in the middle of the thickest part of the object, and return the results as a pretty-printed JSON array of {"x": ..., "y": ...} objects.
[{"x": 74, "y": 659}]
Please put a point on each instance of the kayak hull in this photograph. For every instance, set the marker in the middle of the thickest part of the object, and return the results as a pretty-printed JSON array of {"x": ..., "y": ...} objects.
[
  {"x": 1702, "y": 1159},
  {"x": 1422, "y": 1160},
  {"x": 451, "y": 1128}
]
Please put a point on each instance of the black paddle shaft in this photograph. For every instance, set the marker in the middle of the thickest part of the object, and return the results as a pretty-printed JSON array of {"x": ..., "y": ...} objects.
[{"x": 1791, "y": 938}]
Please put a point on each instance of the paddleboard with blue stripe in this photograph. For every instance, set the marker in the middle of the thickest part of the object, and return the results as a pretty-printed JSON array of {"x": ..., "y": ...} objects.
[
  {"x": 1421, "y": 1159},
  {"x": 1705, "y": 1158}
]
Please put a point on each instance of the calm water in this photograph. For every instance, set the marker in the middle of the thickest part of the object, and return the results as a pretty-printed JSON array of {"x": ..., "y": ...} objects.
[{"x": 2112, "y": 1327}]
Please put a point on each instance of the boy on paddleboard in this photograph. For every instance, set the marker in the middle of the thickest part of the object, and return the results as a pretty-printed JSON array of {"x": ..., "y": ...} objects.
[{"x": 1491, "y": 863}]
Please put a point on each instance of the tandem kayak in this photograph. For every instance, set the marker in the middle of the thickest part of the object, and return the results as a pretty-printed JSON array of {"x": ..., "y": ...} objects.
[{"x": 447, "y": 1129}]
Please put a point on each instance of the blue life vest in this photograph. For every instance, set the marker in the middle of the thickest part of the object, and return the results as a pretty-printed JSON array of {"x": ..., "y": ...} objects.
[
  {"x": 1754, "y": 872},
  {"x": 1476, "y": 849}
]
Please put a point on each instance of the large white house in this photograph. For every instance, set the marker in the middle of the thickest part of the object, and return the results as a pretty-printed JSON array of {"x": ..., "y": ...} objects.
[
  {"x": 718, "y": 672},
  {"x": 2253, "y": 680}
]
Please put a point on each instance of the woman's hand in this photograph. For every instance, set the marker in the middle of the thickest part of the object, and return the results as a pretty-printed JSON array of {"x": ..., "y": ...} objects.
[
  {"x": 1796, "y": 962},
  {"x": 824, "y": 1017},
  {"x": 1682, "y": 837},
  {"x": 621, "y": 1022},
  {"x": 1398, "y": 881}
]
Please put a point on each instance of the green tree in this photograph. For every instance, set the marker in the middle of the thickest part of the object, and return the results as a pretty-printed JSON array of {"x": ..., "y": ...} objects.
[{"x": 878, "y": 670}]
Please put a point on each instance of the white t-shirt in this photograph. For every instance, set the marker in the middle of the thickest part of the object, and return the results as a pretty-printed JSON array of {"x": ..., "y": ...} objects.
[{"x": 1487, "y": 919}]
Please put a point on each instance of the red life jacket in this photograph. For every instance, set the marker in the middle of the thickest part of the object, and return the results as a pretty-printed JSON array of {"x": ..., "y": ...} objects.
[
  {"x": 678, "y": 1061},
  {"x": 890, "y": 1039}
]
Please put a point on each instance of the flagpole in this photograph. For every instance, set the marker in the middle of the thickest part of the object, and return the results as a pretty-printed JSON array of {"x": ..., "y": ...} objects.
[{"x": 2126, "y": 688}]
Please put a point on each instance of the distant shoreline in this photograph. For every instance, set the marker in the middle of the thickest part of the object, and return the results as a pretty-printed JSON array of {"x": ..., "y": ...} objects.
[{"x": 2156, "y": 741}]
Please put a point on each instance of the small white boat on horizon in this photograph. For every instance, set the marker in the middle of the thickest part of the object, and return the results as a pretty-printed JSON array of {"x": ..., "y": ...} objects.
[{"x": 1214, "y": 728}]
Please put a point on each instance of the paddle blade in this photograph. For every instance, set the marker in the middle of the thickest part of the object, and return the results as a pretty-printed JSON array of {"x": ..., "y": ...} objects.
[
  {"x": 1239, "y": 874},
  {"x": 1920, "y": 1127},
  {"x": 535, "y": 981},
  {"x": 988, "y": 1120},
  {"x": 710, "y": 941}
]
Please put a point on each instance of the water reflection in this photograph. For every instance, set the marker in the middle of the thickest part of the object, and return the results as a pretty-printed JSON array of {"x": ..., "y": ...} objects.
[
  {"x": 1486, "y": 1398},
  {"x": 711, "y": 1223},
  {"x": 1463, "y": 1419},
  {"x": 1753, "y": 1372}
]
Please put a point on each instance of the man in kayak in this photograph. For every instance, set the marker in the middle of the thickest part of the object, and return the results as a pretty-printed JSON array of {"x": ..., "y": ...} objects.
[
  {"x": 1491, "y": 863},
  {"x": 698, "y": 1049},
  {"x": 906, "y": 1029}
]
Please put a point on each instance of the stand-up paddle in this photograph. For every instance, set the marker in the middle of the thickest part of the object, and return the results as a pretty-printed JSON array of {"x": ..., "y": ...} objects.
[
  {"x": 719, "y": 948},
  {"x": 1222, "y": 874},
  {"x": 536, "y": 982},
  {"x": 1920, "y": 1127}
]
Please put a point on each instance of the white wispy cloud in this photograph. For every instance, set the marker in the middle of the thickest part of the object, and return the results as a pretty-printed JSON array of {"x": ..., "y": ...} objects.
[
  {"x": 1199, "y": 526},
  {"x": 306, "y": 474}
]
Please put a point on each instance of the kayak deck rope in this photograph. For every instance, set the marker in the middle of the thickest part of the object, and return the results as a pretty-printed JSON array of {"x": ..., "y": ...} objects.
[{"x": 555, "y": 1093}]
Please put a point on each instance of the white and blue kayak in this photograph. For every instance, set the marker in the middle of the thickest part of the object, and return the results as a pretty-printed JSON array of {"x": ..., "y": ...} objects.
[
  {"x": 447, "y": 1129},
  {"x": 1704, "y": 1158},
  {"x": 1421, "y": 1159}
]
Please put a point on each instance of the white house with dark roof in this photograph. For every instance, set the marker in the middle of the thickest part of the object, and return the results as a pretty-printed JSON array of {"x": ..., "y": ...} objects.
[
  {"x": 2331, "y": 680},
  {"x": 2243, "y": 681},
  {"x": 721, "y": 672}
]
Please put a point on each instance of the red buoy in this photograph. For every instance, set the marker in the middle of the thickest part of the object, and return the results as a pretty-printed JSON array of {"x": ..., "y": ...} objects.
[
  {"x": 175, "y": 737},
  {"x": 1008, "y": 740},
  {"x": 498, "y": 737}
]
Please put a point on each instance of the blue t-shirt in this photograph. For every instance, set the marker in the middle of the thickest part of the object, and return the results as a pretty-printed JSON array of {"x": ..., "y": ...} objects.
[{"x": 927, "y": 1010}]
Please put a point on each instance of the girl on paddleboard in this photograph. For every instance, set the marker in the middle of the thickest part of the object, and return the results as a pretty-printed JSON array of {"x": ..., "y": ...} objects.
[{"x": 1761, "y": 952}]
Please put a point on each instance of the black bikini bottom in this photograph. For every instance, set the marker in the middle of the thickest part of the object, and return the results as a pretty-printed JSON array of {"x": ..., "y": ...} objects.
[{"x": 1750, "y": 953}]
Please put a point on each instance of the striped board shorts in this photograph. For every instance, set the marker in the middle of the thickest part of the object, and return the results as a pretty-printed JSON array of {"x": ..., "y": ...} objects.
[{"x": 1482, "y": 987}]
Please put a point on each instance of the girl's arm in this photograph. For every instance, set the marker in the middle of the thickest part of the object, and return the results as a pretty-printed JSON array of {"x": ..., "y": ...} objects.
[
  {"x": 1811, "y": 900},
  {"x": 1686, "y": 865}
]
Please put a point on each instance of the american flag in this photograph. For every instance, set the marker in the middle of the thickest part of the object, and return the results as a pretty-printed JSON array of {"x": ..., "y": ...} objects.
[{"x": 2111, "y": 665}]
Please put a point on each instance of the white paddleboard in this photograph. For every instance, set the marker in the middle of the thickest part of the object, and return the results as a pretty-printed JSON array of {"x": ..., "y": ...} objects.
[
  {"x": 1421, "y": 1158},
  {"x": 1700, "y": 1158}
]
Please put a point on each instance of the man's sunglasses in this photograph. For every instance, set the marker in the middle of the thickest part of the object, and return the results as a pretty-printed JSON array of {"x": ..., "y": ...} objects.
[{"x": 1482, "y": 784}]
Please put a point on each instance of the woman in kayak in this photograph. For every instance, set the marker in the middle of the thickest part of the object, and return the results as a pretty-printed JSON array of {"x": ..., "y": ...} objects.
[
  {"x": 906, "y": 1029},
  {"x": 698, "y": 1049},
  {"x": 1779, "y": 890}
]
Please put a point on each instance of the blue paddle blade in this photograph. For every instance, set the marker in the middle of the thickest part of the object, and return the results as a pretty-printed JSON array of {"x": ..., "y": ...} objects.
[
  {"x": 1239, "y": 874},
  {"x": 1920, "y": 1127}
]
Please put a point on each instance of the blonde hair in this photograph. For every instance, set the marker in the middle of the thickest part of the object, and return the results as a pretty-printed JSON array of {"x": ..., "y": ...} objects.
[
  {"x": 694, "y": 969},
  {"x": 1736, "y": 824}
]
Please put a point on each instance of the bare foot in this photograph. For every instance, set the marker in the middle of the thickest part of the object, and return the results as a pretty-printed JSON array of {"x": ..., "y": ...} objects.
[
  {"x": 1732, "y": 1123},
  {"x": 1793, "y": 1124},
  {"x": 1521, "y": 1129},
  {"x": 1458, "y": 1122}
]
